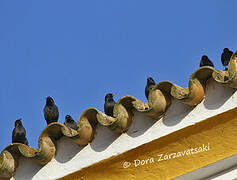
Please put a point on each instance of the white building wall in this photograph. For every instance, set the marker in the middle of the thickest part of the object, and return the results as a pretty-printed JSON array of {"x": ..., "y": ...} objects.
[{"x": 71, "y": 157}]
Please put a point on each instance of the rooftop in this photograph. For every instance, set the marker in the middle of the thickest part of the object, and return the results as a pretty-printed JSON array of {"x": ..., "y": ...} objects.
[{"x": 125, "y": 110}]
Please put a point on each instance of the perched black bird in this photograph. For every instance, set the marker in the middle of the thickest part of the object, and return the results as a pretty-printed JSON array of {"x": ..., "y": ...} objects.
[
  {"x": 50, "y": 111},
  {"x": 19, "y": 133},
  {"x": 70, "y": 123},
  {"x": 225, "y": 56},
  {"x": 205, "y": 61},
  {"x": 109, "y": 104},
  {"x": 149, "y": 85}
]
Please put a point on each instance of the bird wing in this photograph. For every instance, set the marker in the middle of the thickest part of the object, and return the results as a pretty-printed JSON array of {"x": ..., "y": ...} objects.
[
  {"x": 13, "y": 135},
  {"x": 223, "y": 59}
]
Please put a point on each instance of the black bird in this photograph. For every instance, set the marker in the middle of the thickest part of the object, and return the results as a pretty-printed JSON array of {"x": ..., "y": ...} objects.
[
  {"x": 50, "y": 111},
  {"x": 205, "y": 61},
  {"x": 19, "y": 133},
  {"x": 109, "y": 104},
  {"x": 149, "y": 85},
  {"x": 70, "y": 123},
  {"x": 225, "y": 56}
]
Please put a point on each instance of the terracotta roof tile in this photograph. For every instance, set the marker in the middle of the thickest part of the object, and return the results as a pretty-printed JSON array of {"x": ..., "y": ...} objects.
[{"x": 159, "y": 100}]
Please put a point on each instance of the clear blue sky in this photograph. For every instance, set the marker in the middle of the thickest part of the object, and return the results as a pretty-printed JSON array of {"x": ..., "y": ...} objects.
[{"x": 77, "y": 51}]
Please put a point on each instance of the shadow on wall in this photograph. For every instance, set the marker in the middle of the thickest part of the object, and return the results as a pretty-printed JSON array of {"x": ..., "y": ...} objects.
[
  {"x": 26, "y": 169},
  {"x": 217, "y": 99},
  {"x": 140, "y": 124},
  {"x": 216, "y": 95},
  {"x": 66, "y": 150},
  {"x": 104, "y": 137},
  {"x": 176, "y": 113}
]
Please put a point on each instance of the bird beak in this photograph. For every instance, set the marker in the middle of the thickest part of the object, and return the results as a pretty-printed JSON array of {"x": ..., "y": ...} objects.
[{"x": 114, "y": 93}]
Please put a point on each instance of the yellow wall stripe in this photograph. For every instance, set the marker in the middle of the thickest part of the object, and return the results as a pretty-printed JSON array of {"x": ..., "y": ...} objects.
[{"x": 196, "y": 146}]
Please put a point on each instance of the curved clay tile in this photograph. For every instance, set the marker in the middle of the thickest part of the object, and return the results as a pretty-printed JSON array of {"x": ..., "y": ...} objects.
[{"x": 158, "y": 101}]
